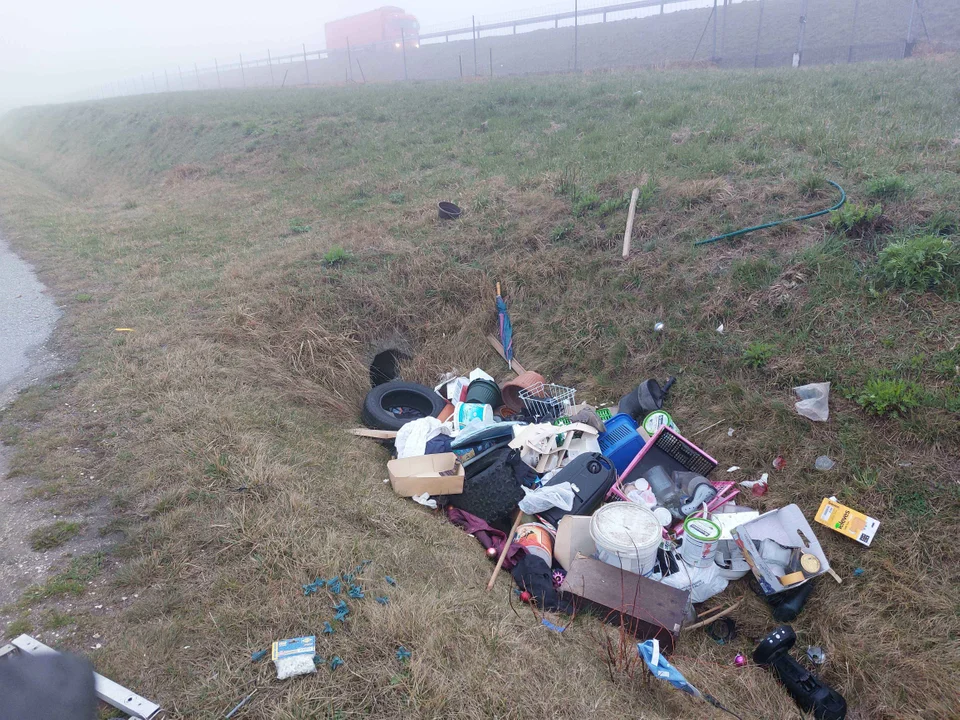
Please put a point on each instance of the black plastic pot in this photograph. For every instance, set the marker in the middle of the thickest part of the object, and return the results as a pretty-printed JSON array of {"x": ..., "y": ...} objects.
[
  {"x": 449, "y": 211},
  {"x": 485, "y": 392}
]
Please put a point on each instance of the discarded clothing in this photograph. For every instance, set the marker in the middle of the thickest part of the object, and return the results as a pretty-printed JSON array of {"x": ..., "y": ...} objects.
[
  {"x": 488, "y": 536},
  {"x": 533, "y": 575}
]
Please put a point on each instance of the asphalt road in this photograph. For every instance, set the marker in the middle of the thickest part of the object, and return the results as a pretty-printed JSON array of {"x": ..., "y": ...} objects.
[{"x": 27, "y": 317}]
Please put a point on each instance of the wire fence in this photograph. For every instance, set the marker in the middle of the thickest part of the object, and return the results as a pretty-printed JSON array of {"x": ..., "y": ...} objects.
[{"x": 593, "y": 35}]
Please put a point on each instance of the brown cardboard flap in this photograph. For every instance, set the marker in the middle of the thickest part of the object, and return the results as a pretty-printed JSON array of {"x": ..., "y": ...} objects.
[{"x": 417, "y": 475}]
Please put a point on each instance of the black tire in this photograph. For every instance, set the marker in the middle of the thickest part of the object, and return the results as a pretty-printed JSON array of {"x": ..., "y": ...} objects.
[{"x": 392, "y": 405}]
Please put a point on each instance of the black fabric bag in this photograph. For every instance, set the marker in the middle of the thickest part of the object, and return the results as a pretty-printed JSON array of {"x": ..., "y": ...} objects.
[
  {"x": 491, "y": 486},
  {"x": 593, "y": 475}
]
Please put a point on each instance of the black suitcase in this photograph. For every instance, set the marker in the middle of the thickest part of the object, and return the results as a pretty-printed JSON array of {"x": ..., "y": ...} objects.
[{"x": 594, "y": 475}]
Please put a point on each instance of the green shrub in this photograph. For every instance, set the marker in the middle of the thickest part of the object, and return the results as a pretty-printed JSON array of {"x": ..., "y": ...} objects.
[
  {"x": 336, "y": 256},
  {"x": 299, "y": 226},
  {"x": 758, "y": 354},
  {"x": 943, "y": 222},
  {"x": 919, "y": 263},
  {"x": 889, "y": 397},
  {"x": 891, "y": 186},
  {"x": 858, "y": 220}
]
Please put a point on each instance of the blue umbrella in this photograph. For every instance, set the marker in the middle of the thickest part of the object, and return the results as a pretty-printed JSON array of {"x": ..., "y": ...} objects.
[
  {"x": 506, "y": 329},
  {"x": 663, "y": 670}
]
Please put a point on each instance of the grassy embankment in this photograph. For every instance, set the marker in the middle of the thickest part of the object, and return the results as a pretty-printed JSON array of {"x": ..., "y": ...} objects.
[{"x": 259, "y": 244}]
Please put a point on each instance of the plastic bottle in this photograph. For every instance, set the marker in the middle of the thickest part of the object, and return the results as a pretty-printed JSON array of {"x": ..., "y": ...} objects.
[{"x": 668, "y": 495}]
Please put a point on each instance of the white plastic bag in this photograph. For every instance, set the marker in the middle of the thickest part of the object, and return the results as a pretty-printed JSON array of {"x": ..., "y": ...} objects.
[
  {"x": 814, "y": 401},
  {"x": 545, "y": 498},
  {"x": 703, "y": 583}
]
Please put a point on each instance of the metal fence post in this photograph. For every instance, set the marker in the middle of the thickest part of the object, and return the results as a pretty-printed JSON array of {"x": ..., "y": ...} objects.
[
  {"x": 798, "y": 56},
  {"x": 198, "y": 75},
  {"x": 473, "y": 19},
  {"x": 756, "y": 50},
  {"x": 713, "y": 55},
  {"x": 306, "y": 68},
  {"x": 217, "y": 66},
  {"x": 182, "y": 88},
  {"x": 908, "y": 43},
  {"x": 403, "y": 49},
  {"x": 491, "y": 61},
  {"x": 853, "y": 30},
  {"x": 576, "y": 36},
  {"x": 460, "y": 60},
  {"x": 349, "y": 62},
  {"x": 723, "y": 31},
  {"x": 270, "y": 63},
  {"x": 243, "y": 75}
]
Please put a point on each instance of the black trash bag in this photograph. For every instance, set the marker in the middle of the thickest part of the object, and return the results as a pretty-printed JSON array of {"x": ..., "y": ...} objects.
[{"x": 534, "y": 575}]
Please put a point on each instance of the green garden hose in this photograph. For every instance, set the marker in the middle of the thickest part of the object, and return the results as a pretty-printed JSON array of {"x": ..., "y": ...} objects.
[{"x": 744, "y": 231}]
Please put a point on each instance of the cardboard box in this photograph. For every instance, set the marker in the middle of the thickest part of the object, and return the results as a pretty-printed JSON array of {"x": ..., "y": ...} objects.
[
  {"x": 847, "y": 521},
  {"x": 646, "y": 608},
  {"x": 573, "y": 538},
  {"x": 789, "y": 528},
  {"x": 418, "y": 475}
]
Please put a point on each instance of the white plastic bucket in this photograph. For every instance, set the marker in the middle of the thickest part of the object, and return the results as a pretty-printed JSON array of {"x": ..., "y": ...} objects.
[
  {"x": 627, "y": 536},
  {"x": 466, "y": 413},
  {"x": 700, "y": 540}
]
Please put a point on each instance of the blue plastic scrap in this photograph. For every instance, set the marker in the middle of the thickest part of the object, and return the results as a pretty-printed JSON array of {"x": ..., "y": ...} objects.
[
  {"x": 342, "y": 611},
  {"x": 403, "y": 654},
  {"x": 355, "y": 592},
  {"x": 258, "y": 655},
  {"x": 335, "y": 662},
  {"x": 389, "y": 580},
  {"x": 318, "y": 660},
  {"x": 383, "y": 600},
  {"x": 314, "y": 587},
  {"x": 349, "y": 577},
  {"x": 327, "y": 629},
  {"x": 555, "y": 628},
  {"x": 333, "y": 584},
  {"x": 858, "y": 572}
]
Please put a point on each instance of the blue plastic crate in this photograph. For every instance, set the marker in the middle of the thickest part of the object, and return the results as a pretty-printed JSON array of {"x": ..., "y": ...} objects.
[{"x": 621, "y": 442}]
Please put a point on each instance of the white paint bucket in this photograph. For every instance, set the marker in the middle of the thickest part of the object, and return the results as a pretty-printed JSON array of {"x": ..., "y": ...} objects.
[
  {"x": 700, "y": 540},
  {"x": 627, "y": 536}
]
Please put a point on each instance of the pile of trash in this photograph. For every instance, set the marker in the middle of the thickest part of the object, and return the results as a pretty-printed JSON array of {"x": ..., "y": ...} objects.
[{"x": 610, "y": 509}]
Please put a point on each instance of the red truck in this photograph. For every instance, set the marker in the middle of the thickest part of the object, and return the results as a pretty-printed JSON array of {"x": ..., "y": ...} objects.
[{"x": 384, "y": 25}]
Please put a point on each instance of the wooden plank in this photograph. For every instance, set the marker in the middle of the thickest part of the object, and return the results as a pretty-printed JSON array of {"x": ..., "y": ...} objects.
[
  {"x": 375, "y": 434},
  {"x": 644, "y": 607},
  {"x": 498, "y": 346}
]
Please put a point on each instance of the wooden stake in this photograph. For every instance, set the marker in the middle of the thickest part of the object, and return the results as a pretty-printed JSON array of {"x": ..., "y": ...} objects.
[
  {"x": 629, "y": 231},
  {"x": 498, "y": 346},
  {"x": 715, "y": 617},
  {"x": 506, "y": 548},
  {"x": 375, "y": 434}
]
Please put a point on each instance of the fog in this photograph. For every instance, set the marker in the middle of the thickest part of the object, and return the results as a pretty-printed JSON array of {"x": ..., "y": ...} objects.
[{"x": 52, "y": 51}]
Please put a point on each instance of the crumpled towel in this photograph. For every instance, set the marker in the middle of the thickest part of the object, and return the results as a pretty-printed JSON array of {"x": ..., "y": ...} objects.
[
  {"x": 425, "y": 500},
  {"x": 413, "y": 437}
]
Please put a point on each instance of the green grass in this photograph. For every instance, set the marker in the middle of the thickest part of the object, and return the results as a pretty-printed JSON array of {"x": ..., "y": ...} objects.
[
  {"x": 71, "y": 582},
  {"x": 218, "y": 433},
  {"x": 54, "y": 535}
]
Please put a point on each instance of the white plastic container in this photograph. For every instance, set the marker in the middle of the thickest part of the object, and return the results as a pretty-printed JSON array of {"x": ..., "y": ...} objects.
[
  {"x": 466, "y": 413},
  {"x": 627, "y": 536}
]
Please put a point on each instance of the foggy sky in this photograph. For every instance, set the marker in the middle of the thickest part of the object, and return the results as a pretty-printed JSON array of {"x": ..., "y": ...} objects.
[{"x": 58, "y": 50}]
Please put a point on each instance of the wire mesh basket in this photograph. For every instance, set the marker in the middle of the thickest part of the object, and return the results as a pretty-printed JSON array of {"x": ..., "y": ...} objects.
[{"x": 548, "y": 401}]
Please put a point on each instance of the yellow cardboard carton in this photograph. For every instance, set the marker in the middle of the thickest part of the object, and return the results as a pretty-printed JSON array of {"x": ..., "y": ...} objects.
[{"x": 847, "y": 521}]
